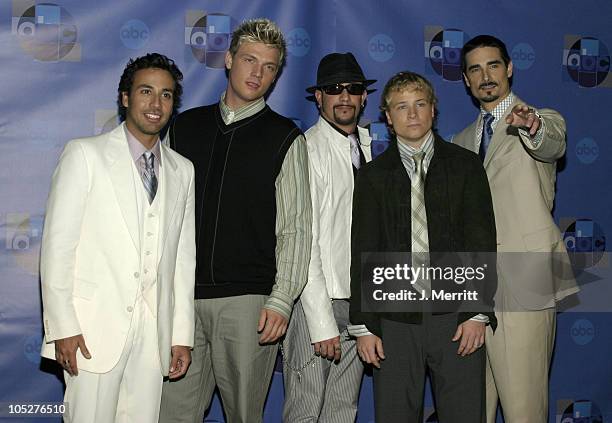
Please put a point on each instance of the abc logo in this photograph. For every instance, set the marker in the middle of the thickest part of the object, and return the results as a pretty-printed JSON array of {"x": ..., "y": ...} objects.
[
  {"x": 45, "y": 31},
  {"x": 582, "y": 331},
  {"x": 381, "y": 47},
  {"x": 443, "y": 52},
  {"x": 522, "y": 56},
  {"x": 587, "y": 61},
  {"x": 587, "y": 150},
  {"x": 31, "y": 348},
  {"x": 134, "y": 34},
  {"x": 298, "y": 42}
]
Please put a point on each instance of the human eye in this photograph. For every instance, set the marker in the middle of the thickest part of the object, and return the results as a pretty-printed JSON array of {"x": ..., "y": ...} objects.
[
  {"x": 145, "y": 91},
  {"x": 167, "y": 95}
]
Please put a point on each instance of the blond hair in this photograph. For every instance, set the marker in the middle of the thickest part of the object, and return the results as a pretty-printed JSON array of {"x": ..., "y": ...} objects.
[
  {"x": 260, "y": 30},
  {"x": 406, "y": 80}
]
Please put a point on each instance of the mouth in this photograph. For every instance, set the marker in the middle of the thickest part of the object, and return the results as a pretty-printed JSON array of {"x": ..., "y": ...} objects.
[
  {"x": 253, "y": 85},
  {"x": 153, "y": 117},
  {"x": 488, "y": 86},
  {"x": 344, "y": 107}
]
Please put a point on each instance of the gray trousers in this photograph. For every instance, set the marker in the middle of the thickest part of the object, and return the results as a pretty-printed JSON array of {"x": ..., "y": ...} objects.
[
  {"x": 458, "y": 383},
  {"x": 322, "y": 391},
  {"x": 226, "y": 354}
]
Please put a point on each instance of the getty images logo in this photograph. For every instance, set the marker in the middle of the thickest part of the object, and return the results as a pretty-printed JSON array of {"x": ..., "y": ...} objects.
[
  {"x": 298, "y": 42},
  {"x": 443, "y": 52},
  {"x": 381, "y": 47},
  {"x": 45, "y": 31},
  {"x": 134, "y": 34}
]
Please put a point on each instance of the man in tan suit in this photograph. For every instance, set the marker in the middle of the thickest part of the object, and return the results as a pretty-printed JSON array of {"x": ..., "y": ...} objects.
[
  {"x": 118, "y": 257},
  {"x": 519, "y": 146}
]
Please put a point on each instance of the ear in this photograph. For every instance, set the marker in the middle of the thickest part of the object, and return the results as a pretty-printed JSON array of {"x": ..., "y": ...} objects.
[
  {"x": 363, "y": 97},
  {"x": 466, "y": 80},
  {"x": 228, "y": 60},
  {"x": 433, "y": 111},
  {"x": 125, "y": 99},
  {"x": 509, "y": 70},
  {"x": 319, "y": 98},
  {"x": 389, "y": 122}
]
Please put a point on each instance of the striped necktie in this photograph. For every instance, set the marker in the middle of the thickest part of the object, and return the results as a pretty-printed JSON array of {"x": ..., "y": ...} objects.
[
  {"x": 420, "y": 239},
  {"x": 355, "y": 156},
  {"x": 148, "y": 176}
]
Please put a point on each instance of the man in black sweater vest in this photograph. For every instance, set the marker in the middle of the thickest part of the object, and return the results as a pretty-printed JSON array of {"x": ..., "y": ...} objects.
[
  {"x": 424, "y": 196},
  {"x": 253, "y": 232}
]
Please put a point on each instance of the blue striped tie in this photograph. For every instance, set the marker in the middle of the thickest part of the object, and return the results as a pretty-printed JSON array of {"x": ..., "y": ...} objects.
[
  {"x": 148, "y": 176},
  {"x": 487, "y": 134}
]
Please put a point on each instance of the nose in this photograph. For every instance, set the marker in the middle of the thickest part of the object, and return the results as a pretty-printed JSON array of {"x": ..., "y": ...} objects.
[
  {"x": 344, "y": 94},
  {"x": 257, "y": 71},
  {"x": 486, "y": 75},
  {"x": 156, "y": 101}
]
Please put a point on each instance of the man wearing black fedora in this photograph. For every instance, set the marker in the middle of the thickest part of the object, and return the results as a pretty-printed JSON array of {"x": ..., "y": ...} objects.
[{"x": 322, "y": 370}]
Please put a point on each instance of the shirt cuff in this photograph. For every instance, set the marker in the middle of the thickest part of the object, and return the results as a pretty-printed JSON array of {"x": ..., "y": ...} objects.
[
  {"x": 481, "y": 318},
  {"x": 358, "y": 330},
  {"x": 539, "y": 135},
  {"x": 280, "y": 303}
]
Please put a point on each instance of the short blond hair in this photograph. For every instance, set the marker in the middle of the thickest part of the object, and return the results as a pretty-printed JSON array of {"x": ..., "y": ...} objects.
[
  {"x": 260, "y": 30},
  {"x": 406, "y": 80}
]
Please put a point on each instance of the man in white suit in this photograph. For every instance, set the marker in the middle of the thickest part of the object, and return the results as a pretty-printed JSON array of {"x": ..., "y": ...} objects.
[
  {"x": 519, "y": 146},
  {"x": 118, "y": 256}
]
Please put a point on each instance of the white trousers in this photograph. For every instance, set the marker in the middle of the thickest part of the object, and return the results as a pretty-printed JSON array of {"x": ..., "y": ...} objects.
[{"x": 131, "y": 391}]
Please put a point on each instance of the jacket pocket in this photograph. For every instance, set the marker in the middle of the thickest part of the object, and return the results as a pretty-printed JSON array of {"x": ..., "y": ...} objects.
[
  {"x": 84, "y": 289},
  {"x": 542, "y": 239}
]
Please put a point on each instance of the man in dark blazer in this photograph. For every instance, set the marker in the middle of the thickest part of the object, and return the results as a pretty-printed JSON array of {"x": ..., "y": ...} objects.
[{"x": 388, "y": 217}]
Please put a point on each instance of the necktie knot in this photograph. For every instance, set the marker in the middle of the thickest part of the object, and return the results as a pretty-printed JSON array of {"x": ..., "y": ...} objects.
[
  {"x": 149, "y": 179},
  {"x": 488, "y": 121},
  {"x": 487, "y": 134},
  {"x": 149, "y": 160},
  {"x": 418, "y": 162}
]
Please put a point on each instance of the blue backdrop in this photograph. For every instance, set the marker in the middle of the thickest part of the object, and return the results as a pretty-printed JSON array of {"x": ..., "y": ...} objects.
[{"x": 61, "y": 64}]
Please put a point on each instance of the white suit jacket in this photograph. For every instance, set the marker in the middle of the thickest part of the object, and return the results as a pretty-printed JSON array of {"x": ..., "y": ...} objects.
[
  {"x": 331, "y": 185},
  {"x": 533, "y": 266},
  {"x": 90, "y": 254}
]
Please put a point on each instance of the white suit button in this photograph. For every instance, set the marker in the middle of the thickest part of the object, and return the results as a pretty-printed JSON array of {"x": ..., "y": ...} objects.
[
  {"x": 130, "y": 309},
  {"x": 136, "y": 275}
]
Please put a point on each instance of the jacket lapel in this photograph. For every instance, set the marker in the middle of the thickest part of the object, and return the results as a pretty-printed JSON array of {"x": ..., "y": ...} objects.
[
  {"x": 171, "y": 187},
  {"x": 120, "y": 165}
]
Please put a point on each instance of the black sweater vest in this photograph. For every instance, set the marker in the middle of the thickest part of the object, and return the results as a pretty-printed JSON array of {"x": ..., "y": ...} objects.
[{"x": 236, "y": 167}]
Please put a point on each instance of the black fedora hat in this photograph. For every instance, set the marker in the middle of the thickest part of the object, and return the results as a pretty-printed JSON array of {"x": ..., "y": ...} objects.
[{"x": 336, "y": 68}]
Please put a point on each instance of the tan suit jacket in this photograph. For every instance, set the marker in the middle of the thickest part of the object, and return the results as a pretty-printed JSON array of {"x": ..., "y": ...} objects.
[
  {"x": 533, "y": 266},
  {"x": 91, "y": 258}
]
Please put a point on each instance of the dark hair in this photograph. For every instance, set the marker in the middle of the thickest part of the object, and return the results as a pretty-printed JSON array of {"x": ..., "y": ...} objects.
[
  {"x": 484, "y": 41},
  {"x": 151, "y": 60}
]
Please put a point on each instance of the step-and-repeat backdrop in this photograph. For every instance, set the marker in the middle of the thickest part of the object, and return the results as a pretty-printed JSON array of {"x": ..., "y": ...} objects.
[{"x": 60, "y": 67}]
